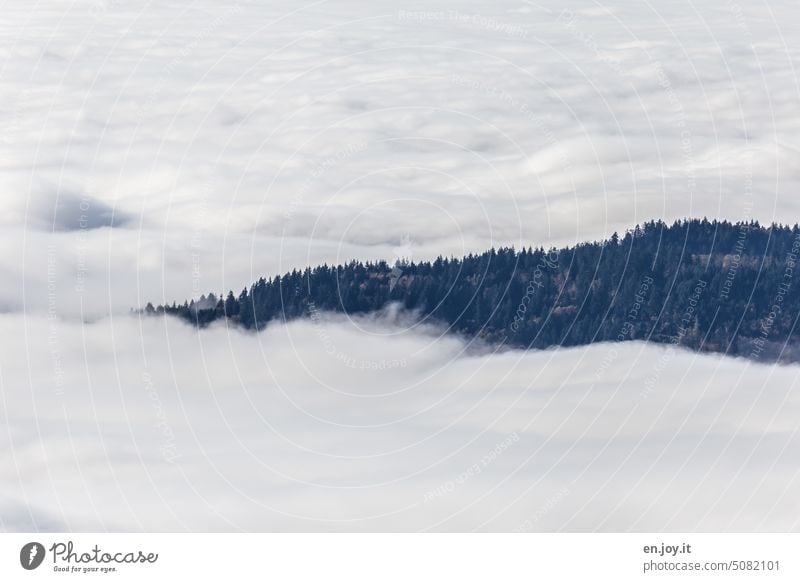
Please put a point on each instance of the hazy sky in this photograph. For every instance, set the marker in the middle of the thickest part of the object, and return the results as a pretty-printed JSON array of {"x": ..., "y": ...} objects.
[{"x": 154, "y": 151}]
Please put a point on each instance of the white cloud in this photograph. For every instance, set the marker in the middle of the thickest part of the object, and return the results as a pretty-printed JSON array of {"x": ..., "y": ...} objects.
[
  {"x": 350, "y": 425},
  {"x": 248, "y": 138},
  {"x": 249, "y": 121}
]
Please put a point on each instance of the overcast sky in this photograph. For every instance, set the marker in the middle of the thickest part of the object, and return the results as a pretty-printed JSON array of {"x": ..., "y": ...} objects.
[{"x": 157, "y": 151}]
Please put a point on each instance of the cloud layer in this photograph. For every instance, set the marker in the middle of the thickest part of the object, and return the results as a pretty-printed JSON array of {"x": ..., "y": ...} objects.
[
  {"x": 154, "y": 152},
  {"x": 357, "y": 425},
  {"x": 244, "y": 138}
]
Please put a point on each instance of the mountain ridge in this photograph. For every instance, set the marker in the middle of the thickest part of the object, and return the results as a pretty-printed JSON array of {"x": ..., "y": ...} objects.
[{"x": 711, "y": 286}]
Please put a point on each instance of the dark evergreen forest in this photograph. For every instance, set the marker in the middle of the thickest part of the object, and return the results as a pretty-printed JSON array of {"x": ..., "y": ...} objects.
[{"x": 707, "y": 285}]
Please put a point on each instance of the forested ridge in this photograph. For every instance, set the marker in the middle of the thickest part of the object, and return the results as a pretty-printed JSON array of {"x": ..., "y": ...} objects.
[{"x": 707, "y": 285}]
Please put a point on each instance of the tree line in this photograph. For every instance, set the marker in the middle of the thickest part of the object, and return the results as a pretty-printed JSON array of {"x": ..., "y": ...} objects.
[{"x": 707, "y": 285}]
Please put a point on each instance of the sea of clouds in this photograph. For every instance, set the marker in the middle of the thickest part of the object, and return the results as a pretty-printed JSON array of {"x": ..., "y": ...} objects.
[
  {"x": 157, "y": 151},
  {"x": 371, "y": 424},
  {"x": 230, "y": 140}
]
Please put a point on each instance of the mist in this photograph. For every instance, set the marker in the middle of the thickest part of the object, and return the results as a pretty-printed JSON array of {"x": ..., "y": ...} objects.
[
  {"x": 376, "y": 424},
  {"x": 151, "y": 152}
]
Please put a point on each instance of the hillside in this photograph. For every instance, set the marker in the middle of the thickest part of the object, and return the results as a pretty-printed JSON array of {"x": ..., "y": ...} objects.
[{"x": 707, "y": 285}]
